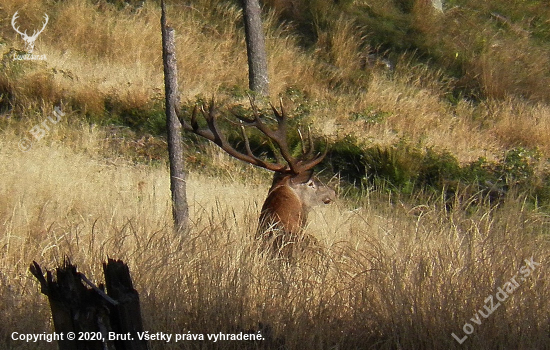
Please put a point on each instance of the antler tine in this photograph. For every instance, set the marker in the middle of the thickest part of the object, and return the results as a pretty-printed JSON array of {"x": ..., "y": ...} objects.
[
  {"x": 255, "y": 121},
  {"x": 310, "y": 164},
  {"x": 283, "y": 112},
  {"x": 254, "y": 107},
  {"x": 281, "y": 117},
  {"x": 211, "y": 120},
  {"x": 310, "y": 142},
  {"x": 302, "y": 141},
  {"x": 194, "y": 124},
  {"x": 212, "y": 108},
  {"x": 306, "y": 153},
  {"x": 247, "y": 142}
]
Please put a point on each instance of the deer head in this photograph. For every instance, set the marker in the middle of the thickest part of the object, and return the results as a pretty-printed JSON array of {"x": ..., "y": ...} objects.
[
  {"x": 294, "y": 191},
  {"x": 29, "y": 40}
]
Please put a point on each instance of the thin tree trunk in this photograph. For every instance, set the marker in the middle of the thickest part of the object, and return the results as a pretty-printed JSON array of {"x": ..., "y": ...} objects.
[
  {"x": 255, "y": 47},
  {"x": 180, "y": 209}
]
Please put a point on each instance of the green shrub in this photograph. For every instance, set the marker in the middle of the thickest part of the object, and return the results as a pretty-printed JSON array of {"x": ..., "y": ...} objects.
[
  {"x": 436, "y": 169},
  {"x": 347, "y": 159},
  {"x": 393, "y": 169}
]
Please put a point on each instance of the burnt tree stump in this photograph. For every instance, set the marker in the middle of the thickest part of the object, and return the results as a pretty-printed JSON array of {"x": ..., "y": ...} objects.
[
  {"x": 126, "y": 316},
  {"x": 88, "y": 312}
]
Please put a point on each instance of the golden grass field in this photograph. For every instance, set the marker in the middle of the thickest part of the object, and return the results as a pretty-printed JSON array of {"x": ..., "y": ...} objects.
[{"x": 391, "y": 274}]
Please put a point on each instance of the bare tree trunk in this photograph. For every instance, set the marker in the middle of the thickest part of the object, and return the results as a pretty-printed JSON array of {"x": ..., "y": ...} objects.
[
  {"x": 180, "y": 209},
  {"x": 255, "y": 47}
]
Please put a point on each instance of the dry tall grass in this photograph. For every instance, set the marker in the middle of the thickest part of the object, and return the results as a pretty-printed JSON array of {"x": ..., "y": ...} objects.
[{"x": 389, "y": 277}]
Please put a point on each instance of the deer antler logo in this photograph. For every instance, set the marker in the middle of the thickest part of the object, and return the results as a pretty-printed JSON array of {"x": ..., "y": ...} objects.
[{"x": 29, "y": 40}]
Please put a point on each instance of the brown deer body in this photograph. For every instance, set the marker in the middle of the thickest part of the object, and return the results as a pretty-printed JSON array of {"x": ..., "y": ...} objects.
[
  {"x": 294, "y": 190},
  {"x": 285, "y": 210}
]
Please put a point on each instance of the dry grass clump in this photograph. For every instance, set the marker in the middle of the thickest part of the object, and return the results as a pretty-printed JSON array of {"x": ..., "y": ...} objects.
[
  {"x": 526, "y": 72},
  {"x": 518, "y": 124}
]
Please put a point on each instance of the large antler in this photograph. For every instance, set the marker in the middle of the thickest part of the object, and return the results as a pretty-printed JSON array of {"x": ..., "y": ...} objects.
[{"x": 279, "y": 136}]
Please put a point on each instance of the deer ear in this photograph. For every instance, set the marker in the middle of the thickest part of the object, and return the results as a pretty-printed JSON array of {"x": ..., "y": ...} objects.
[{"x": 302, "y": 177}]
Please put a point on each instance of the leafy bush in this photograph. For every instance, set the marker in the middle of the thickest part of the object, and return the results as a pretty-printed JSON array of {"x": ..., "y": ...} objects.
[
  {"x": 347, "y": 159},
  {"x": 437, "y": 168},
  {"x": 394, "y": 169}
]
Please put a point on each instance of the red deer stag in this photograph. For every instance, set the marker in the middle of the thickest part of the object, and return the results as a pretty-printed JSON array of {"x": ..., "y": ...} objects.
[{"x": 294, "y": 189}]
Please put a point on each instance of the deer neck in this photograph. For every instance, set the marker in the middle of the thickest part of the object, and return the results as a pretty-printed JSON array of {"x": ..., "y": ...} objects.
[{"x": 283, "y": 197}]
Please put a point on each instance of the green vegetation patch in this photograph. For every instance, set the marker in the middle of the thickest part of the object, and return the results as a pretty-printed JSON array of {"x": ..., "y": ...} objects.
[{"x": 404, "y": 170}]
